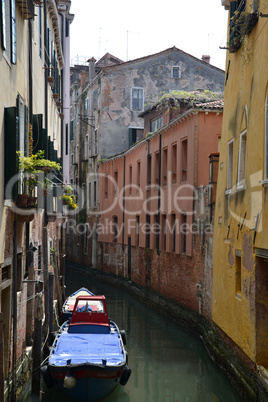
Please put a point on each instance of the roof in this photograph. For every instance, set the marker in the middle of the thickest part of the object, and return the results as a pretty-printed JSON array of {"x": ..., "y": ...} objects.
[
  {"x": 174, "y": 48},
  {"x": 217, "y": 104}
]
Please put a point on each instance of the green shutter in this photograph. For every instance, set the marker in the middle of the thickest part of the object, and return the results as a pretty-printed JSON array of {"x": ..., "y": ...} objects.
[
  {"x": 11, "y": 139},
  {"x": 71, "y": 130},
  {"x": 130, "y": 134},
  {"x": 37, "y": 132}
]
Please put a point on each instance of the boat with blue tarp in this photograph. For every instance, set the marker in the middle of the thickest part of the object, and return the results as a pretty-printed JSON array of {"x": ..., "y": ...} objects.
[{"x": 88, "y": 357}]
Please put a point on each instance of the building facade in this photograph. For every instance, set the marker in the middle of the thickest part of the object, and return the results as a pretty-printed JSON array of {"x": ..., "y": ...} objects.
[
  {"x": 155, "y": 203},
  {"x": 240, "y": 281},
  {"x": 34, "y": 44},
  {"x": 107, "y": 101}
]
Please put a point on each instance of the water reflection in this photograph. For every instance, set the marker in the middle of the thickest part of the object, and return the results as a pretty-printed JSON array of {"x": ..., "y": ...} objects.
[{"x": 168, "y": 363}]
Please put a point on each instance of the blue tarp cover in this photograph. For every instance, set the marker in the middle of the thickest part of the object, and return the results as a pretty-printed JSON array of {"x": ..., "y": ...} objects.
[{"x": 87, "y": 348}]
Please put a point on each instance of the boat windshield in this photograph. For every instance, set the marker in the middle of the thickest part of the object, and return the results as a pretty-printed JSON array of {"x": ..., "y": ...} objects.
[{"x": 92, "y": 305}]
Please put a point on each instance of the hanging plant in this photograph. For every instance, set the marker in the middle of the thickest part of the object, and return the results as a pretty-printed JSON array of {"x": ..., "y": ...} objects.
[
  {"x": 31, "y": 166},
  {"x": 68, "y": 198}
]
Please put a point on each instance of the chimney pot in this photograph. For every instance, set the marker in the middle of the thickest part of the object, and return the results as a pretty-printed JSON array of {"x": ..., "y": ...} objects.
[{"x": 206, "y": 58}]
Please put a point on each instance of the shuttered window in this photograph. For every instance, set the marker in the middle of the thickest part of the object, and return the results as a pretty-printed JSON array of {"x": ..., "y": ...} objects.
[{"x": 11, "y": 124}]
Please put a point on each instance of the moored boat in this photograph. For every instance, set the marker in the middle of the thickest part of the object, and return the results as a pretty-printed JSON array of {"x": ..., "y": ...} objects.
[
  {"x": 69, "y": 303},
  {"x": 88, "y": 358}
]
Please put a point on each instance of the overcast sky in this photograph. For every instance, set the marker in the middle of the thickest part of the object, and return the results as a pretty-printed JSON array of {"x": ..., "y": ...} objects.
[{"x": 144, "y": 27}]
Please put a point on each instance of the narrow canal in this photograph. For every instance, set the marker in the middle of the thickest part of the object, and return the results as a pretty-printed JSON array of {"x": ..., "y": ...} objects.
[{"x": 169, "y": 364}]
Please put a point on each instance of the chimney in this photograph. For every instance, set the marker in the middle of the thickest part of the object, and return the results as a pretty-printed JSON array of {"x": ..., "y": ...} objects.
[
  {"x": 206, "y": 58},
  {"x": 82, "y": 77},
  {"x": 91, "y": 67}
]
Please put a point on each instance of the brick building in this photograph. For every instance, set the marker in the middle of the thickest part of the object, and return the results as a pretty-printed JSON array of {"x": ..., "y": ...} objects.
[
  {"x": 108, "y": 98},
  {"x": 154, "y": 202}
]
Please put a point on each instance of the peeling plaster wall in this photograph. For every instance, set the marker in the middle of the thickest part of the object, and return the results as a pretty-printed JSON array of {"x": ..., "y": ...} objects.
[{"x": 153, "y": 74}]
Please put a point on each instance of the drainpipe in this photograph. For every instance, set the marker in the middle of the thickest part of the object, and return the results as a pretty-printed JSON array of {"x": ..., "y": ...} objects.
[
  {"x": 45, "y": 246},
  {"x": 159, "y": 194},
  {"x": 123, "y": 216}
]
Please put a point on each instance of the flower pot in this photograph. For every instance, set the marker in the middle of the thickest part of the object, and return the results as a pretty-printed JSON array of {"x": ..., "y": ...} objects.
[
  {"x": 50, "y": 80},
  {"x": 24, "y": 217},
  {"x": 22, "y": 200},
  {"x": 51, "y": 217},
  {"x": 31, "y": 202},
  {"x": 61, "y": 115},
  {"x": 56, "y": 96}
]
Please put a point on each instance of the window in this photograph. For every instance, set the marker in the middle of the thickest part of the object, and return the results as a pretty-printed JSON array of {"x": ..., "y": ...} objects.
[
  {"x": 96, "y": 142},
  {"x": 115, "y": 228},
  {"x": 8, "y": 39},
  {"x": 106, "y": 186},
  {"x": 116, "y": 183},
  {"x": 86, "y": 107},
  {"x": 157, "y": 168},
  {"x": 137, "y": 230},
  {"x": 137, "y": 99},
  {"x": 138, "y": 174},
  {"x": 266, "y": 139},
  {"x": 84, "y": 198},
  {"x": 40, "y": 30},
  {"x": 236, "y": 10},
  {"x": 164, "y": 167},
  {"x": 242, "y": 159},
  {"x": 95, "y": 194},
  {"x": 19, "y": 273},
  {"x": 76, "y": 154},
  {"x": 230, "y": 164},
  {"x": 173, "y": 234},
  {"x": 130, "y": 179},
  {"x": 149, "y": 169},
  {"x": 86, "y": 147},
  {"x": 238, "y": 272},
  {"x": 147, "y": 231},
  {"x": 176, "y": 72},
  {"x": 156, "y": 124},
  {"x": 71, "y": 130},
  {"x": 183, "y": 231},
  {"x": 134, "y": 135},
  {"x": 184, "y": 160},
  {"x": 89, "y": 195},
  {"x": 174, "y": 163}
]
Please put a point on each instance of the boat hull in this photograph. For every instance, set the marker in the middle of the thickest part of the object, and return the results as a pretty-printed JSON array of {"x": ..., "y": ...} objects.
[
  {"x": 86, "y": 382},
  {"x": 67, "y": 307}
]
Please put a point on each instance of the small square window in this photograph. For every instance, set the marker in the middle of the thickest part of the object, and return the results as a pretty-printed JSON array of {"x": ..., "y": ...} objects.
[{"x": 176, "y": 72}]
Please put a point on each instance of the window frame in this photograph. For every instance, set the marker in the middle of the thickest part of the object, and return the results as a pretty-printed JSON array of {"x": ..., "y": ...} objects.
[
  {"x": 176, "y": 68},
  {"x": 241, "y": 181},
  {"x": 139, "y": 107},
  {"x": 230, "y": 169}
]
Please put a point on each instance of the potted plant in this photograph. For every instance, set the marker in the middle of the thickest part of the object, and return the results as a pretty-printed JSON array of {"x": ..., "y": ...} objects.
[
  {"x": 31, "y": 166},
  {"x": 68, "y": 198}
]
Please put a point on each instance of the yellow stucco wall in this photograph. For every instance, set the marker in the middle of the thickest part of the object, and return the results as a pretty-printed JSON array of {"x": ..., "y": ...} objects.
[{"x": 237, "y": 312}]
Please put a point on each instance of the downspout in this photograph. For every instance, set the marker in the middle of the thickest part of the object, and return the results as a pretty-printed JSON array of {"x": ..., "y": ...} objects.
[
  {"x": 62, "y": 145},
  {"x": 123, "y": 215},
  {"x": 45, "y": 237},
  {"x": 159, "y": 194}
]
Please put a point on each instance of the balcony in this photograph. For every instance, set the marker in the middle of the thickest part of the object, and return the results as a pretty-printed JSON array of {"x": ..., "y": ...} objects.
[{"x": 27, "y": 8}]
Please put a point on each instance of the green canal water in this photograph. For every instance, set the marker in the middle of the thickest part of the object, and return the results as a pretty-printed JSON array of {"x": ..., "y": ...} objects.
[{"x": 169, "y": 363}]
